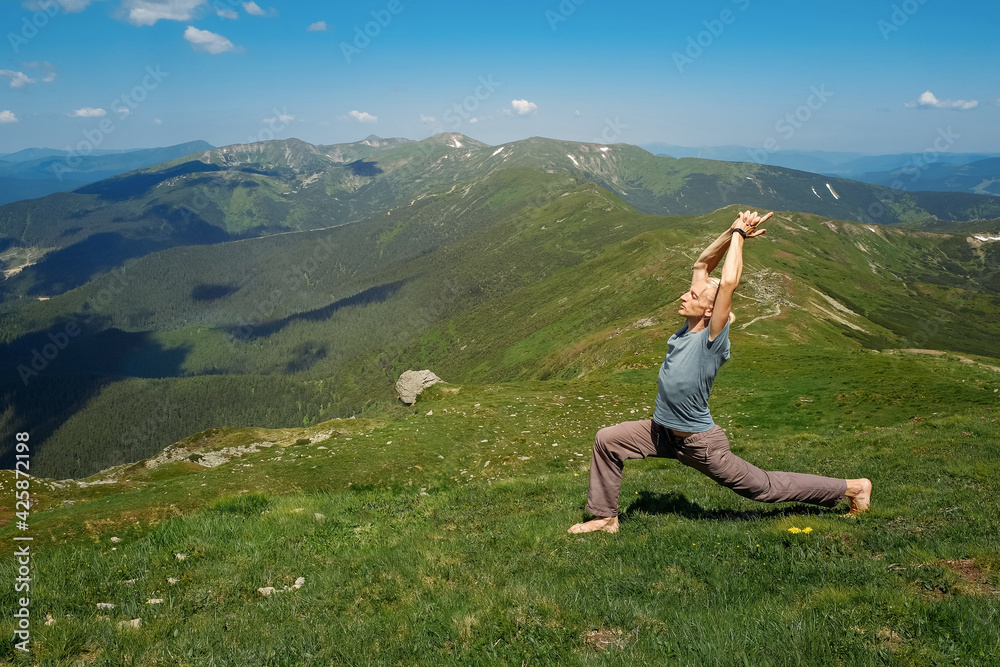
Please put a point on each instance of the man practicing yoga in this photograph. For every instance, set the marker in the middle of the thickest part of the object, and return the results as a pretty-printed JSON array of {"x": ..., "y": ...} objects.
[{"x": 682, "y": 427}]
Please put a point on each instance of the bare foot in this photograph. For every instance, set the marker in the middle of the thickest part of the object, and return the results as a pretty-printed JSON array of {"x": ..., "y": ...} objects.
[
  {"x": 608, "y": 525},
  {"x": 859, "y": 492}
]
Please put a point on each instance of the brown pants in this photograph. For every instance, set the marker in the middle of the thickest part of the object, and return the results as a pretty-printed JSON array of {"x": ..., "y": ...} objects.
[{"x": 708, "y": 453}]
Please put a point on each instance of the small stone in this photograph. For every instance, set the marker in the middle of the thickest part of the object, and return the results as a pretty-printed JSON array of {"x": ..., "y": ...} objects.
[
  {"x": 154, "y": 601},
  {"x": 267, "y": 590},
  {"x": 180, "y": 556},
  {"x": 134, "y": 623},
  {"x": 171, "y": 580},
  {"x": 116, "y": 540},
  {"x": 319, "y": 517},
  {"x": 105, "y": 605}
]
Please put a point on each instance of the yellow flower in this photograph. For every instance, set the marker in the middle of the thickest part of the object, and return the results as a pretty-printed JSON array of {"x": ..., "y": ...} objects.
[
  {"x": 807, "y": 530},
  {"x": 793, "y": 529}
]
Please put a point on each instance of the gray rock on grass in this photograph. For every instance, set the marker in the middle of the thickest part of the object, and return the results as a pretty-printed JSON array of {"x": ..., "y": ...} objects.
[{"x": 411, "y": 383}]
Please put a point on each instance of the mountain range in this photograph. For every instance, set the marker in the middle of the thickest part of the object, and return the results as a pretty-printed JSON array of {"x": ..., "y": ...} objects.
[
  {"x": 250, "y": 190},
  {"x": 977, "y": 173},
  {"x": 283, "y": 283}
]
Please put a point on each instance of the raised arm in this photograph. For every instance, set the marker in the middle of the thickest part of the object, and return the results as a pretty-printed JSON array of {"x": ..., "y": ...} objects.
[
  {"x": 732, "y": 270},
  {"x": 711, "y": 256}
]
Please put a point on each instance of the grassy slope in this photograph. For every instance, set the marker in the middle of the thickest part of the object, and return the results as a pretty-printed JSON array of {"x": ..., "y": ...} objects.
[
  {"x": 895, "y": 286},
  {"x": 443, "y": 534},
  {"x": 481, "y": 570}
]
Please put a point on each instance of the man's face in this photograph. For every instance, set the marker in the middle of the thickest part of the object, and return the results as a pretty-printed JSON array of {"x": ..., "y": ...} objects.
[{"x": 697, "y": 302}]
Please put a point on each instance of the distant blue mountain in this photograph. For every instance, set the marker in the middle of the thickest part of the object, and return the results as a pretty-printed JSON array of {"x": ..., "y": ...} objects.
[
  {"x": 35, "y": 153},
  {"x": 949, "y": 172},
  {"x": 36, "y": 172},
  {"x": 981, "y": 177}
]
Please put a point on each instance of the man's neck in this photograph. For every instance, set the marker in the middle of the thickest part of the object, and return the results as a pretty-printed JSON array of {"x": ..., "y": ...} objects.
[{"x": 696, "y": 324}]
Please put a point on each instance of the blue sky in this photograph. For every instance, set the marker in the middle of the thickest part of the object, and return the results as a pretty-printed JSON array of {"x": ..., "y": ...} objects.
[{"x": 868, "y": 76}]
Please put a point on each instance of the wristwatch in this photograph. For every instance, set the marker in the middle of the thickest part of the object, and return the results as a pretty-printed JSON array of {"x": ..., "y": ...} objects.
[{"x": 740, "y": 232}]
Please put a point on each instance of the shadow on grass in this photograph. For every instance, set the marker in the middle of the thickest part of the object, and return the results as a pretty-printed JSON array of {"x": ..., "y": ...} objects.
[{"x": 649, "y": 502}]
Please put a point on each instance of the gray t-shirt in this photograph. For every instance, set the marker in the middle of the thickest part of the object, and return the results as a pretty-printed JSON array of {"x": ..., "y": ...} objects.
[{"x": 686, "y": 379}]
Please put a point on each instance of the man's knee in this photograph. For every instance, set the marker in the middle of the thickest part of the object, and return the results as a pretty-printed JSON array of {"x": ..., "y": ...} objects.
[{"x": 604, "y": 438}]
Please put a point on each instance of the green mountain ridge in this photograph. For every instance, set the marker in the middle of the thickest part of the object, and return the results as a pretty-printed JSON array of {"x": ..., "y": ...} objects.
[{"x": 249, "y": 190}]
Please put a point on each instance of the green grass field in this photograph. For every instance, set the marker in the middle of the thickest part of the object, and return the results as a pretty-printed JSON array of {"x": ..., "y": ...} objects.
[{"x": 437, "y": 534}]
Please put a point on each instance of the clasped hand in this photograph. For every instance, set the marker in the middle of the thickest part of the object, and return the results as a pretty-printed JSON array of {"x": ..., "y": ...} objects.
[{"x": 748, "y": 222}]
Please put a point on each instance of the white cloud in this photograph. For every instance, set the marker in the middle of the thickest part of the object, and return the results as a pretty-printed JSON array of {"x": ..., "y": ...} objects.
[
  {"x": 577, "y": 113},
  {"x": 318, "y": 26},
  {"x": 204, "y": 40},
  {"x": 50, "y": 71},
  {"x": 148, "y": 12},
  {"x": 17, "y": 79},
  {"x": 928, "y": 99},
  {"x": 473, "y": 120},
  {"x": 157, "y": 121},
  {"x": 281, "y": 117},
  {"x": 89, "y": 112},
  {"x": 426, "y": 119},
  {"x": 255, "y": 9},
  {"x": 363, "y": 117},
  {"x": 227, "y": 14},
  {"x": 7, "y": 117},
  {"x": 523, "y": 107},
  {"x": 123, "y": 112}
]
